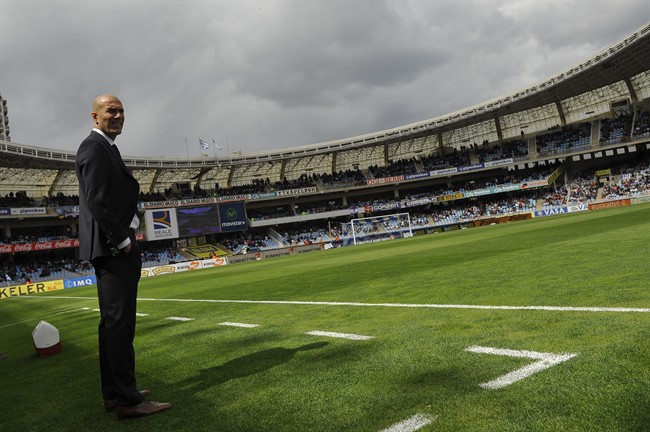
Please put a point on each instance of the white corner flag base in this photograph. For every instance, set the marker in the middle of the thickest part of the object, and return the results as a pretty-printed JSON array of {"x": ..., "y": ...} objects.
[{"x": 46, "y": 339}]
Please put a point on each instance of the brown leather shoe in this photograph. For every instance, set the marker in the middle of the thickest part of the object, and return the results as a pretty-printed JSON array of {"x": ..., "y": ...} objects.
[
  {"x": 111, "y": 404},
  {"x": 144, "y": 408}
]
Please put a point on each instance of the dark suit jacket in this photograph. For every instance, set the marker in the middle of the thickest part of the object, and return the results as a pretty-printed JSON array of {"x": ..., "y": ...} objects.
[{"x": 108, "y": 197}]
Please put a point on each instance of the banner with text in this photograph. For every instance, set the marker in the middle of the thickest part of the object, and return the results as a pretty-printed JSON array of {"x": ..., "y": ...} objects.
[
  {"x": 232, "y": 216},
  {"x": 161, "y": 224},
  {"x": 29, "y": 289}
]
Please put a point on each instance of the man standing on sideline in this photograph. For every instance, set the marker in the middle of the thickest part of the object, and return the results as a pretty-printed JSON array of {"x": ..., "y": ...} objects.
[{"x": 108, "y": 196}]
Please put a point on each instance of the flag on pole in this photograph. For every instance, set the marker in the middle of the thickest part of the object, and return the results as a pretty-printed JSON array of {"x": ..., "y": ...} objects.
[
  {"x": 204, "y": 145},
  {"x": 215, "y": 144}
]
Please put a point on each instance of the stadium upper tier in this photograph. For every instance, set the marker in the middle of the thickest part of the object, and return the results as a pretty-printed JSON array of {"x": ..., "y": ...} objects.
[{"x": 613, "y": 82}]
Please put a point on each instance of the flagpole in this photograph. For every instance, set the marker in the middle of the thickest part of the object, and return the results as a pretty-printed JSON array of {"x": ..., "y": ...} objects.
[{"x": 187, "y": 151}]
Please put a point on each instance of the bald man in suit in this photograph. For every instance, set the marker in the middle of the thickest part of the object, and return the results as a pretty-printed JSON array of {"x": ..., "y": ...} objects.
[{"x": 108, "y": 197}]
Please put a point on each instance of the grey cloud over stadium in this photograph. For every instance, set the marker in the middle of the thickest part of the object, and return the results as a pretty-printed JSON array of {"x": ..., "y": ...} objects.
[{"x": 260, "y": 76}]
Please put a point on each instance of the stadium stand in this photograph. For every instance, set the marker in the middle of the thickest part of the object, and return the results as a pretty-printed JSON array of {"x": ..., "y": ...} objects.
[{"x": 579, "y": 137}]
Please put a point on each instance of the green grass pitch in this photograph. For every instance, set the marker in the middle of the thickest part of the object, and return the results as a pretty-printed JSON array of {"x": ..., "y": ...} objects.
[{"x": 419, "y": 301}]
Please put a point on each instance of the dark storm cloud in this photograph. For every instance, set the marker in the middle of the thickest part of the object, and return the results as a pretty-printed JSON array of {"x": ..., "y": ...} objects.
[
  {"x": 258, "y": 76},
  {"x": 330, "y": 54}
]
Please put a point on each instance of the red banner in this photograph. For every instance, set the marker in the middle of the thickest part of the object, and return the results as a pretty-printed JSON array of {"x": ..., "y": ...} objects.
[{"x": 45, "y": 245}]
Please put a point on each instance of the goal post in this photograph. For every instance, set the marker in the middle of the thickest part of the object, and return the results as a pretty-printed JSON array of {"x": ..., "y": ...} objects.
[
  {"x": 339, "y": 230},
  {"x": 380, "y": 228}
]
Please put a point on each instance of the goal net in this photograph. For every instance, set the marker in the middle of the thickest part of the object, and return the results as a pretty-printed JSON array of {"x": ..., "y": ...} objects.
[{"x": 380, "y": 228}]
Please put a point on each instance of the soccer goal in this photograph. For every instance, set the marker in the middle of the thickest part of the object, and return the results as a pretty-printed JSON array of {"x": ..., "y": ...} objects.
[{"x": 381, "y": 228}]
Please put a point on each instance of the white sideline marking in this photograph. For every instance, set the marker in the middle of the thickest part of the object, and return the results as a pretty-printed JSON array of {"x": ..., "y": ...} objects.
[
  {"x": 407, "y": 305},
  {"x": 545, "y": 361},
  {"x": 339, "y": 335},
  {"x": 398, "y": 305},
  {"x": 234, "y": 324},
  {"x": 412, "y": 424},
  {"x": 141, "y": 314},
  {"x": 180, "y": 319}
]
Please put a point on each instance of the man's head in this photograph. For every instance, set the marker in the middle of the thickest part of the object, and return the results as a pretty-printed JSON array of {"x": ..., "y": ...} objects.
[{"x": 108, "y": 115}]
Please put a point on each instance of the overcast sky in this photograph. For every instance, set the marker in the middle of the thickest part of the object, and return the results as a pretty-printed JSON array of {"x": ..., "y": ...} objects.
[{"x": 264, "y": 75}]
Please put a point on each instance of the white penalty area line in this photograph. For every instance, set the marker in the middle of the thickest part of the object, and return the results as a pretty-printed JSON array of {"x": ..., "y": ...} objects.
[
  {"x": 412, "y": 424},
  {"x": 396, "y": 305}
]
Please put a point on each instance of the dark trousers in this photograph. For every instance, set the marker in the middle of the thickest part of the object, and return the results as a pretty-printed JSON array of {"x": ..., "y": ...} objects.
[{"x": 117, "y": 290}]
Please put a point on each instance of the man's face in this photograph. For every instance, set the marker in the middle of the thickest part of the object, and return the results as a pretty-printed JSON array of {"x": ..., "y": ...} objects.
[{"x": 108, "y": 117}]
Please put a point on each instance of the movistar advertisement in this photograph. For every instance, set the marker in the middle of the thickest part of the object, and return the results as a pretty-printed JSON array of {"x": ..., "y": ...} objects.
[{"x": 233, "y": 216}]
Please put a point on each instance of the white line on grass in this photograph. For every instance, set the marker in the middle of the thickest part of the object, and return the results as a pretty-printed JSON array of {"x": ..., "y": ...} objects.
[
  {"x": 412, "y": 424},
  {"x": 411, "y": 305},
  {"x": 141, "y": 314},
  {"x": 17, "y": 322},
  {"x": 339, "y": 335},
  {"x": 397, "y": 305},
  {"x": 180, "y": 319},
  {"x": 243, "y": 325},
  {"x": 67, "y": 311},
  {"x": 545, "y": 361}
]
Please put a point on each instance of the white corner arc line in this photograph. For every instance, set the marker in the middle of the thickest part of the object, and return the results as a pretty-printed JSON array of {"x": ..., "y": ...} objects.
[
  {"x": 16, "y": 323},
  {"x": 545, "y": 361},
  {"x": 411, "y": 424},
  {"x": 234, "y": 324},
  {"x": 180, "y": 319},
  {"x": 349, "y": 336}
]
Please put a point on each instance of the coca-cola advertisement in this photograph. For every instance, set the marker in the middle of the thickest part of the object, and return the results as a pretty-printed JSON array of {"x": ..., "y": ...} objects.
[
  {"x": 38, "y": 246},
  {"x": 47, "y": 245}
]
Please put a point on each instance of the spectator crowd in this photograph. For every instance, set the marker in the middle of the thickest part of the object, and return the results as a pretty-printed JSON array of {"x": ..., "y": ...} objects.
[{"x": 629, "y": 179}]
